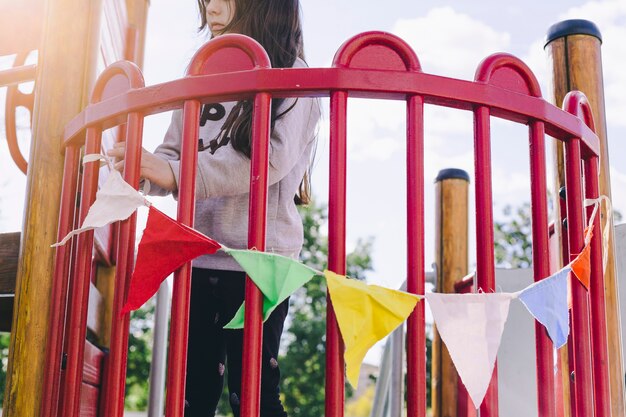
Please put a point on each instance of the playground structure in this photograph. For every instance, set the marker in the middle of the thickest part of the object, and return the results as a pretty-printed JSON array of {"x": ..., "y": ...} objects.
[{"x": 370, "y": 65}]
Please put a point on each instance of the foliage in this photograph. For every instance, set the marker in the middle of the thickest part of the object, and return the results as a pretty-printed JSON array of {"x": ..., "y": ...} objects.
[
  {"x": 303, "y": 364},
  {"x": 513, "y": 239},
  {"x": 139, "y": 357},
  {"x": 363, "y": 405},
  {"x": 4, "y": 359}
]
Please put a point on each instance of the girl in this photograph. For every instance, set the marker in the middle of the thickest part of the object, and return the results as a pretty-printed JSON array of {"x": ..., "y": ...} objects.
[{"x": 222, "y": 203}]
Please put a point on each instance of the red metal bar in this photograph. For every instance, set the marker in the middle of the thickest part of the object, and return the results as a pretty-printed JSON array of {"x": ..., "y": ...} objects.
[
  {"x": 576, "y": 103},
  {"x": 334, "y": 404},
  {"x": 497, "y": 97},
  {"x": 583, "y": 390},
  {"x": 416, "y": 324},
  {"x": 541, "y": 266},
  {"x": 570, "y": 367},
  {"x": 58, "y": 293},
  {"x": 599, "y": 343},
  {"x": 179, "y": 330},
  {"x": 247, "y": 54},
  {"x": 369, "y": 83},
  {"x": 113, "y": 403},
  {"x": 253, "y": 321},
  {"x": 76, "y": 323},
  {"x": 485, "y": 262}
]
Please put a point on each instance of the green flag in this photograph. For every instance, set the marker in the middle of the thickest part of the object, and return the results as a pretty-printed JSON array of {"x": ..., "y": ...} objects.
[{"x": 276, "y": 276}]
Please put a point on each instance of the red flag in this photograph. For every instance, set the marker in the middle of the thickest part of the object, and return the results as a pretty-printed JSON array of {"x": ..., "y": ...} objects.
[
  {"x": 165, "y": 246},
  {"x": 581, "y": 266}
]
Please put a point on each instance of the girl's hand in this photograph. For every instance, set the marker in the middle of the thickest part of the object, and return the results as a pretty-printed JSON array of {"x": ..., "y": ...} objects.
[{"x": 153, "y": 168}]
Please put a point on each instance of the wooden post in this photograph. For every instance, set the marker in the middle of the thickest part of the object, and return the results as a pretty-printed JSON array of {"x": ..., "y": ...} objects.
[
  {"x": 65, "y": 74},
  {"x": 451, "y": 188},
  {"x": 573, "y": 47},
  {"x": 137, "y": 23}
]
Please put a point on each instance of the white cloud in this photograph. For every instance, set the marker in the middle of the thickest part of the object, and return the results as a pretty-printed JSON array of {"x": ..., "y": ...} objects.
[
  {"x": 375, "y": 129},
  {"x": 450, "y": 43}
]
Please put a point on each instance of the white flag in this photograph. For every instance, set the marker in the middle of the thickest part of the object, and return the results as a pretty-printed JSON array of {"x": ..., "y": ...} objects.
[
  {"x": 115, "y": 201},
  {"x": 471, "y": 327}
]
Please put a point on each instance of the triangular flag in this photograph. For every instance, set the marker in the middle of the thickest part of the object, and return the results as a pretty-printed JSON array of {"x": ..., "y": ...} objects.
[
  {"x": 115, "y": 201},
  {"x": 165, "y": 246},
  {"x": 275, "y": 275},
  {"x": 365, "y": 314},
  {"x": 581, "y": 265},
  {"x": 471, "y": 326},
  {"x": 546, "y": 300}
]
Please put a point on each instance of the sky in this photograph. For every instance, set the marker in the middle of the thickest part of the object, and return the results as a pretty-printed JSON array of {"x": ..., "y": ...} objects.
[{"x": 450, "y": 39}]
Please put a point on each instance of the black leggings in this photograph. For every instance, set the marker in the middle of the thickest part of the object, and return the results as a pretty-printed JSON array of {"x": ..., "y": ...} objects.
[{"x": 215, "y": 297}]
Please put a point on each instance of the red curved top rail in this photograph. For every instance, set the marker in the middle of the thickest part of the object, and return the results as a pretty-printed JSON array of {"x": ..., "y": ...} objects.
[
  {"x": 576, "y": 103},
  {"x": 391, "y": 52},
  {"x": 509, "y": 72},
  {"x": 508, "y": 103}
]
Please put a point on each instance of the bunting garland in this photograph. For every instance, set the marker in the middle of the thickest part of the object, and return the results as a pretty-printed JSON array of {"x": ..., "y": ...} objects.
[
  {"x": 581, "y": 265},
  {"x": 470, "y": 325},
  {"x": 365, "y": 314},
  {"x": 546, "y": 300},
  {"x": 276, "y": 276},
  {"x": 165, "y": 246},
  {"x": 115, "y": 201}
]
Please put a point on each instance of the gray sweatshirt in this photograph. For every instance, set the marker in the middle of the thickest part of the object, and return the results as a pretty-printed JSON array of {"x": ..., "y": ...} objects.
[{"x": 223, "y": 179}]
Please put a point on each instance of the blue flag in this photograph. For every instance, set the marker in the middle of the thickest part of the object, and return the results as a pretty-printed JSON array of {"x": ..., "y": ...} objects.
[{"x": 546, "y": 300}]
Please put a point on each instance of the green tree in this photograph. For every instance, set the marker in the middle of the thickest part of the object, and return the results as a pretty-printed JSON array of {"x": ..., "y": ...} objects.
[
  {"x": 303, "y": 364},
  {"x": 513, "y": 237},
  {"x": 139, "y": 357},
  {"x": 4, "y": 360}
]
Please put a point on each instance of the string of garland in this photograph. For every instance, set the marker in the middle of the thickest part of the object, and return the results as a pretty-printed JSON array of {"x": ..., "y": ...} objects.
[{"x": 470, "y": 325}]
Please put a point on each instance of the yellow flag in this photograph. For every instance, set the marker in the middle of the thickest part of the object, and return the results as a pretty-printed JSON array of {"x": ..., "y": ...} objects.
[{"x": 365, "y": 314}]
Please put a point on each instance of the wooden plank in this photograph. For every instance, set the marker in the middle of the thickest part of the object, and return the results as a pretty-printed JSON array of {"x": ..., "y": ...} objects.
[
  {"x": 9, "y": 253},
  {"x": 105, "y": 282},
  {"x": 89, "y": 396},
  {"x": 92, "y": 370},
  {"x": 95, "y": 311}
]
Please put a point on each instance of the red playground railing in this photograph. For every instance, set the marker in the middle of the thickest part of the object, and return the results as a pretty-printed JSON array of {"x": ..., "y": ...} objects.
[{"x": 370, "y": 65}]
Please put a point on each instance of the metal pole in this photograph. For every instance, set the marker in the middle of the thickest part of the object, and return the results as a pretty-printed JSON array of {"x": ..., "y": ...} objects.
[
  {"x": 159, "y": 352},
  {"x": 396, "y": 389},
  {"x": 382, "y": 384}
]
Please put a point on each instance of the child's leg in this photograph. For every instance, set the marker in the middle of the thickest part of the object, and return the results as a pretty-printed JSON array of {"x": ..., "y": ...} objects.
[
  {"x": 206, "y": 347},
  {"x": 270, "y": 372}
]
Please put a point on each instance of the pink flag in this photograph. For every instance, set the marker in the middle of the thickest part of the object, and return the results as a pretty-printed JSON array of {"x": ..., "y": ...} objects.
[
  {"x": 471, "y": 326},
  {"x": 165, "y": 246}
]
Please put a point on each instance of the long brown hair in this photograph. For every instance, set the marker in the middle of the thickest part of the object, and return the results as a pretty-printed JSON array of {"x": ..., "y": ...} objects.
[{"x": 276, "y": 25}]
